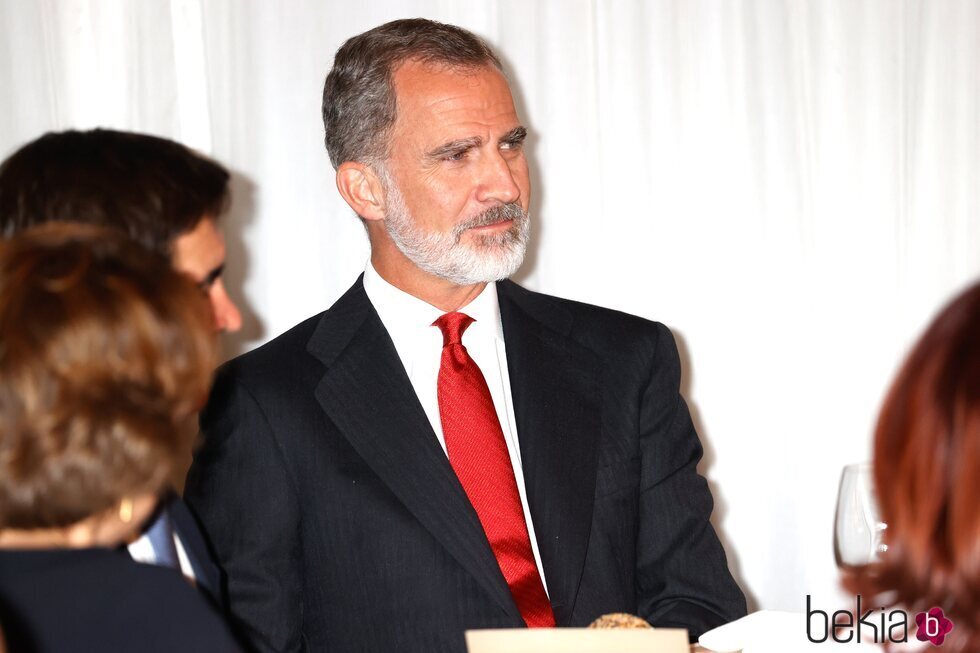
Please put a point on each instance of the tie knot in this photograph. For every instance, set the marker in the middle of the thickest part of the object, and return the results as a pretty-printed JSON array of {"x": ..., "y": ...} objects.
[{"x": 452, "y": 326}]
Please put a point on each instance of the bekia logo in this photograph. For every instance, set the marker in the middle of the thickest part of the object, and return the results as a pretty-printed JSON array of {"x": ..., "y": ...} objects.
[
  {"x": 877, "y": 626},
  {"x": 933, "y": 626}
]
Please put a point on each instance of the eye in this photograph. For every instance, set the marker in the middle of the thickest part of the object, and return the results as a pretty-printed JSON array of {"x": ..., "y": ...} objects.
[
  {"x": 459, "y": 155},
  {"x": 513, "y": 147},
  {"x": 205, "y": 286}
]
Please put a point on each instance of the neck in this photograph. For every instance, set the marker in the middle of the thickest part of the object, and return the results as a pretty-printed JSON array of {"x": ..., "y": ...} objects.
[
  {"x": 106, "y": 528},
  {"x": 404, "y": 275},
  {"x": 40, "y": 538}
]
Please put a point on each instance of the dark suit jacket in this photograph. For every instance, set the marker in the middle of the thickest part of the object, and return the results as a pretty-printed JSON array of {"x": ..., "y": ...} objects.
[
  {"x": 100, "y": 600},
  {"x": 341, "y": 525}
]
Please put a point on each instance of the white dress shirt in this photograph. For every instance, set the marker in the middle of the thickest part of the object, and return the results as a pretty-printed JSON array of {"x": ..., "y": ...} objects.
[
  {"x": 418, "y": 342},
  {"x": 141, "y": 550}
]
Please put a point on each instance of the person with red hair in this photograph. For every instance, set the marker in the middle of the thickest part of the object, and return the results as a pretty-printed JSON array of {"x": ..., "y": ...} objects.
[{"x": 927, "y": 477}]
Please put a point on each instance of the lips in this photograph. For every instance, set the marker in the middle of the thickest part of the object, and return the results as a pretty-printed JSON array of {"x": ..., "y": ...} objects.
[{"x": 502, "y": 225}]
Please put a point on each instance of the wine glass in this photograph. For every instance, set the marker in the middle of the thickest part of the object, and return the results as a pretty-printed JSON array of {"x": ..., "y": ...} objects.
[{"x": 859, "y": 530}]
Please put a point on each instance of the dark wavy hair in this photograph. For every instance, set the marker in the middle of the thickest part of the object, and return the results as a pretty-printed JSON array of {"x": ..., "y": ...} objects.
[
  {"x": 927, "y": 477},
  {"x": 105, "y": 352},
  {"x": 152, "y": 189}
]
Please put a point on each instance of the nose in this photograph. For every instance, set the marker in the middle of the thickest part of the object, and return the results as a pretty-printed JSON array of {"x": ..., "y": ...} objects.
[
  {"x": 227, "y": 317},
  {"x": 500, "y": 180}
]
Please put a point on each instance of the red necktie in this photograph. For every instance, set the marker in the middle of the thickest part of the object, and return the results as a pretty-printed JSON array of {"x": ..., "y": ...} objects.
[{"x": 478, "y": 454}]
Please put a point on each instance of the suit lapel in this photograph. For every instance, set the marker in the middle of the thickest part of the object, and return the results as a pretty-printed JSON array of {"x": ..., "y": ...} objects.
[
  {"x": 555, "y": 394},
  {"x": 369, "y": 397},
  {"x": 206, "y": 572}
]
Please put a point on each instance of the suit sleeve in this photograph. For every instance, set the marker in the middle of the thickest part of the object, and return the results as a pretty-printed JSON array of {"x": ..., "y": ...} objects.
[
  {"x": 683, "y": 577},
  {"x": 239, "y": 488}
]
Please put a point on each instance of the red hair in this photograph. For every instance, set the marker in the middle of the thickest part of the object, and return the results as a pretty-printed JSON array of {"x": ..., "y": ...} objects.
[{"x": 927, "y": 476}]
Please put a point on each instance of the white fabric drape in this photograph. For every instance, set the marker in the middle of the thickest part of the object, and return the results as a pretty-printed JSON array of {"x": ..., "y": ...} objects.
[{"x": 791, "y": 186}]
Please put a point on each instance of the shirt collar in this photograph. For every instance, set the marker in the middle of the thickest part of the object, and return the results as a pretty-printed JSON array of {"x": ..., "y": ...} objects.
[{"x": 405, "y": 315}]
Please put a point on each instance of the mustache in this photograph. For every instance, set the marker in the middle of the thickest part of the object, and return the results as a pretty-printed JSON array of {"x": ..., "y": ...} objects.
[{"x": 493, "y": 215}]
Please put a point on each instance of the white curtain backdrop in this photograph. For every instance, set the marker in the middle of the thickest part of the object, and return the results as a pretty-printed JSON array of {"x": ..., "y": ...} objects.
[{"x": 791, "y": 186}]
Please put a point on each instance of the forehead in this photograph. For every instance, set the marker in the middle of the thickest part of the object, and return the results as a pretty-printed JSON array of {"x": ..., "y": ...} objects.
[
  {"x": 198, "y": 251},
  {"x": 434, "y": 101}
]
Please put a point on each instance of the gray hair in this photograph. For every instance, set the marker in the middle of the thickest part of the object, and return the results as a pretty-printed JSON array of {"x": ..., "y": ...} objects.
[{"x": 358, "y": 95}]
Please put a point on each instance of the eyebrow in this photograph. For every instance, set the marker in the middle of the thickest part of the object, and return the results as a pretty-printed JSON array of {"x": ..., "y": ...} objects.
[
  {"x": 515, "y": 136},
  {"x": 452, "y": 147},
  {"x": 211, "y": 277}
]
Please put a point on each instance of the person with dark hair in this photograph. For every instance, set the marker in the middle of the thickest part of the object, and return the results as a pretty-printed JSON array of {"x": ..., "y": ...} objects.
[
  {"x": 168, "y": 199},
  {"x": 442, "y": 449},
  {"x": 106, "y": 355},
  {"x": 927, "y": 479},
  {"x": 158, "y": 192}
]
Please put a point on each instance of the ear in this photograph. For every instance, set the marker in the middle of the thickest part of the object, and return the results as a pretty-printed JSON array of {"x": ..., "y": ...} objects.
[{"x": 361, "y": 189}]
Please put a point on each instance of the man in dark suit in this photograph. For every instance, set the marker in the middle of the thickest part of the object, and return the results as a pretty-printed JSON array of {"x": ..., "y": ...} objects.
[
  {"x": 168, "y": 199},
  {"x": 442, "y": 449}
]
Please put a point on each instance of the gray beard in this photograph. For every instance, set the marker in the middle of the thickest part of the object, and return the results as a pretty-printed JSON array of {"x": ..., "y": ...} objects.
[{"x": 491, "y": 257}]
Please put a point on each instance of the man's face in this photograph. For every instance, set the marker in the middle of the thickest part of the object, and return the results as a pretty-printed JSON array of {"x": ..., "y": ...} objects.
[
  {"x": 200, "y": 253},
  {"x": 456, "y": 180}
]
